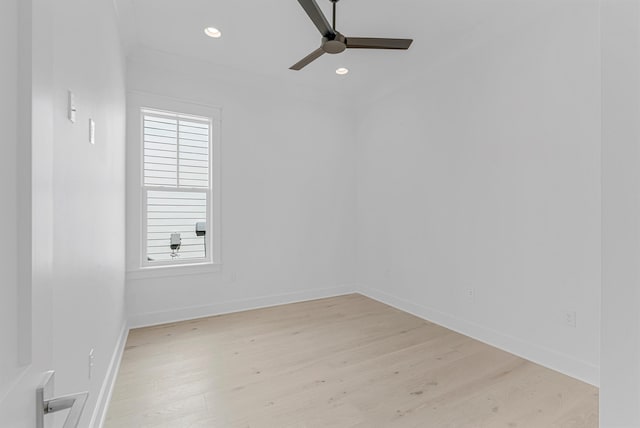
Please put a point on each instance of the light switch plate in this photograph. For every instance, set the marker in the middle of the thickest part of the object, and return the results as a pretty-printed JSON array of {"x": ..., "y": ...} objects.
[
  {"x": 92, "y": 131},
  {"x": 71, "y": 108}
]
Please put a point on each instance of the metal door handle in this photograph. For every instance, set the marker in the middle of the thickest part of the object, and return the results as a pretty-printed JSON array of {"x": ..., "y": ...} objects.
[{"x": 75, "y": 402}]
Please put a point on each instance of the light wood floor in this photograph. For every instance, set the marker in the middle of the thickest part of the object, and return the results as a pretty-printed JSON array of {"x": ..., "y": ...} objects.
[{"x": 341, "y": 362}]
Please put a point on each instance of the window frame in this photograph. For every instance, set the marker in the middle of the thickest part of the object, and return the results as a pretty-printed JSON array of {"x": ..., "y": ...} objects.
[
  {"x": 142, "y": 102},
  {"x": 145, "y": 189}
]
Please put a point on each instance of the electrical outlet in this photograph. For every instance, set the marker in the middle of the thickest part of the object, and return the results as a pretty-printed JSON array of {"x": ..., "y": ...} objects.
[
  {"x": 229, "y": 277},
  {"x": 470, "y": 293},
  {"x": 570, "y": 318},
  {"x": 91, "y": 363}
]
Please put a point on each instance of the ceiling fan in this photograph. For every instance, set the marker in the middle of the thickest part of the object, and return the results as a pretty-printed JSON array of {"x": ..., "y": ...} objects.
[{"x": 334, "y": 42}]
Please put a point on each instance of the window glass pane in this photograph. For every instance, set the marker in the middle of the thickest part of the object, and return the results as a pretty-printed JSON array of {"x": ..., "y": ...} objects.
[
  {"x": 180, "y": 142},
  {"x": 176, "y": 212}
]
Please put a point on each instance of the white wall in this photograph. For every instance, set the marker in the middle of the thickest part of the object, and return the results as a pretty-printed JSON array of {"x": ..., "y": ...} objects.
[
  {"x": 484, "y": 173},
  {"x": 88, "y": 195},
  {"x": 8, "y": 195},
  {"x": 620, "y": 356},
  {"x": 288, "y": 193}
]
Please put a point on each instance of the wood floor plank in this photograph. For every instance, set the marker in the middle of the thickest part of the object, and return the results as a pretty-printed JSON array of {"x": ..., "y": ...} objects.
[{"x": 344, "y": 362}]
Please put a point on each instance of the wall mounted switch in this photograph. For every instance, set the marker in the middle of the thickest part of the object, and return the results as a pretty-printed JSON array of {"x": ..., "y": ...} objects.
[
  {"x": 71, "y": 107},
  {"x": 92, "y": 131}
]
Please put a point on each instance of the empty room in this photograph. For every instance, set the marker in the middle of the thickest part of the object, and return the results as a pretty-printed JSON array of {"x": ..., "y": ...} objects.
[{"x": 320, "y": 213}]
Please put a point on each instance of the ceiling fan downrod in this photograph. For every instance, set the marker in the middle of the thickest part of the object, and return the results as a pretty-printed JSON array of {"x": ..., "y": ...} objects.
[{"x": 334, "y": 14}]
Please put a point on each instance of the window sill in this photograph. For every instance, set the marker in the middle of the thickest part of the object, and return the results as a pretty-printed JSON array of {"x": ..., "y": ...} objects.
[{"x": 172, "y": 271}]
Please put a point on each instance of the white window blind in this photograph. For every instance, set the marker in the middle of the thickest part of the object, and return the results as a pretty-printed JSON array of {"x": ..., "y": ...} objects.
[
  {"x": 176, "y": 150},
  {"x": 176, "y": 186}
]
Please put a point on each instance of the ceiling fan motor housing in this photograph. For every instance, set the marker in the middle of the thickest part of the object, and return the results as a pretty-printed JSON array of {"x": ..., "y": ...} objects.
[{"x": 336, "y": 45}]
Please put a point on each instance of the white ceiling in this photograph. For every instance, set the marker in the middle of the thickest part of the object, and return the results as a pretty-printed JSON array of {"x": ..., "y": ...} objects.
[{"x": 267, "y": 37}]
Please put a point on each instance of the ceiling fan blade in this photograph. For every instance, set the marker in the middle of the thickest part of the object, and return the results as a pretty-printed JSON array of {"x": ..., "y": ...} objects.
[
  {"x": 307, "y": 59},
  {"x": 376, "y": 43},
  {"x": 318, "y": 18}
]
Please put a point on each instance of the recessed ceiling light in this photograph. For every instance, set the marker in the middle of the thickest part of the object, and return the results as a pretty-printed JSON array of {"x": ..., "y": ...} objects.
[
  {"x": 341, "y": 71},
  {"x": 212, "y": 32}
]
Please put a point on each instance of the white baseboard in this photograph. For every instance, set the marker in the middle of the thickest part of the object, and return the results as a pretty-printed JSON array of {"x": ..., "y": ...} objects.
[
  {"x": 617, "y": 426},
  {"x": 546, "y": 357},
  {"x": 193, "y": 312},
  {"x": 102, "y": 404}
]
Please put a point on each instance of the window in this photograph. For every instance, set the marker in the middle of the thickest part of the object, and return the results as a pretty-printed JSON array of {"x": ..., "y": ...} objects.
[{"x": 176, "y": 188}]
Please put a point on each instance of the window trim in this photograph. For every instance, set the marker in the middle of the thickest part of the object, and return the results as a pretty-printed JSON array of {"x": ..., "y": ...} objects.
[{"x": 140, "y": 101}]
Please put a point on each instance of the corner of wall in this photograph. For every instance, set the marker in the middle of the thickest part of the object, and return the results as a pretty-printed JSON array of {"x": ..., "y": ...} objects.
[{"x": 546, "y": 357}]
